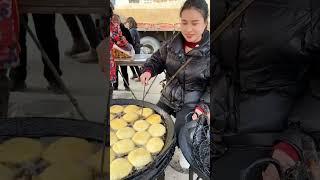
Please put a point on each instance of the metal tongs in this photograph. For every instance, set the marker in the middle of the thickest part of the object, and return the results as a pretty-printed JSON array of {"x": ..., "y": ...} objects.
[{"x": 145, "y": 93}]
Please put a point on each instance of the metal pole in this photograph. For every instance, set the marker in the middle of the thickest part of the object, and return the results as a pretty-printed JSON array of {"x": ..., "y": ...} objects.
[
  {"x": 54, "y": 71},
  {"x": 106, "y": 132}
]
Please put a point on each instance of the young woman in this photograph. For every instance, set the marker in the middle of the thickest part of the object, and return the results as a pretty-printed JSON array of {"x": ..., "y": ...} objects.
[
  {"x": 132, "y": 25},
  {"x": 190, "y": 87}
]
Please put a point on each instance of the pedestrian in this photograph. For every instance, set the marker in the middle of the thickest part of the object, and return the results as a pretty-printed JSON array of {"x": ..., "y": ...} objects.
[
  {"x": 132, "y": 25},
  {"x": 80, "y": 47},
  {"x": 9, "y": 49},
  {"x": 46, "y": 33}
]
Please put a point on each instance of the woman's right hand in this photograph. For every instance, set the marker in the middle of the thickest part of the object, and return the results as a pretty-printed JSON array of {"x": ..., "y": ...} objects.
[{"x": 145, "y": 77}]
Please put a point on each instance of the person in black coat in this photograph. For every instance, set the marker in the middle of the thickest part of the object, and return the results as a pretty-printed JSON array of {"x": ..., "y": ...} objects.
[
  {"x": 46, "y": 33},
  {"x": 265, "y": 76},
  {"x": 190, "y": 88},
  {"x": 132, "y": 25}
]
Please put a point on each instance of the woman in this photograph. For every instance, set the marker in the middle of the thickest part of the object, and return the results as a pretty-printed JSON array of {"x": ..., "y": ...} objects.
[
  {"x": 190, "y": 87},
  {"x": 126, "y": 34},
  {"x": 132, "y": 24},
  {"x": 116, "y": 39},
  {"x": 262, "y": 76},
  {"x": 9, "y": 49}
]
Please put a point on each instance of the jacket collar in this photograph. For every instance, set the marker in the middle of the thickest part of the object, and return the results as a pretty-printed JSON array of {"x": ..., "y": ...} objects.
[{"x": 204, "y": 46}]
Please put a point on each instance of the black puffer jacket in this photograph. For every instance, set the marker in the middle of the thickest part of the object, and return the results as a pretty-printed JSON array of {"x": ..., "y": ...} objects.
[
  {"x": 271, "y": 46},
  {"x": 191, "y": 85},
  {"x": 272, "y": 42}
]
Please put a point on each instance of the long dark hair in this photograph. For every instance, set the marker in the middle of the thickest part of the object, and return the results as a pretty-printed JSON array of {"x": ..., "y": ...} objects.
[
  {"x": 199, "y": 5},
  {"x": 132, "y": 22}
]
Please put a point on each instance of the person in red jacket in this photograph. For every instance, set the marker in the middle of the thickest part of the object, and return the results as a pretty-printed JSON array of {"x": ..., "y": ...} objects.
[
  {"x": 9, "y": 48},
  {"x": 116, "y": 39}
]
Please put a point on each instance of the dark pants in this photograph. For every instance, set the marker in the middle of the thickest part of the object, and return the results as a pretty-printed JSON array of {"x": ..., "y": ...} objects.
[
  {"x": 135, "y": 70},
  {"x": 4, "y": 94},
  {"x": 182, "y": 117},
  {"x": 88, "y": 27},
  {"x": 46, "y": 34},
  {"x": 124, "y": 72}
]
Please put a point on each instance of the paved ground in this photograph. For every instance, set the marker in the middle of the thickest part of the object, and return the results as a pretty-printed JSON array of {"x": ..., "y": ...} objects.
[{"x": 84, "y": 81}]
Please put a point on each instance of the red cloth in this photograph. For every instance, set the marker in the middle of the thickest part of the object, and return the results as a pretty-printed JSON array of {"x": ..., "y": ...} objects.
[
  {"x": 288, "y": 149},
  {"x": 9, "y": 34},
  {"x": 190, "y": 44},
  {"x": 200, "y": 109},
  {"x": 149, "y": 70}
]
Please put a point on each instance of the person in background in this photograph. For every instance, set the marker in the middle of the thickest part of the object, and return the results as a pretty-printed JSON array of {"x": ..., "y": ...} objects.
[
  {"x": 45, "y": 31},
  {"x": 9, "y": 49},
  {"x": 132, "y": 25},
  {"x": 124, "y": 71},
  {"x": 80, "y": 46},
  {"x": 116, "y": 39}
]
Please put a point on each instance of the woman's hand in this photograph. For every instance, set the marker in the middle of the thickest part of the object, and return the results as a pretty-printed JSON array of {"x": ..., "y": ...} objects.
[
  {"x": 145, "y": 77},
  {"x": 285, "y": 162},
  {"x": 196, "y": 114},
  {"x": 271, "y": 173}
]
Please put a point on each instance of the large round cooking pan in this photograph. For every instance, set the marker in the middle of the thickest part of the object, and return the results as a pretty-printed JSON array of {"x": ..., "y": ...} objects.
[{"x": 162, "y": 160}]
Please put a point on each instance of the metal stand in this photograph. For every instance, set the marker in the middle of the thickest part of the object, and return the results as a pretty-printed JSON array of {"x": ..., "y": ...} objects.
[
  {"x": 161, "y": 177},
  {"x": 54, "y": 71},
  {"x": 190, "y": 174}
]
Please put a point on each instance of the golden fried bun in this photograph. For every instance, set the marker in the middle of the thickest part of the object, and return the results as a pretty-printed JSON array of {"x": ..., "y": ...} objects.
[
  {"x": 113, "y": 138},
  {"x": 154, "y": 119},
  {"x": 6, "y": 173},
  {"x": 139, "y": 157},
  {"x": 115, "y": 109},
  {"x": 131, "y": 108},
  {"x": 68, "y": 149},
  {"x": 120, "y": 168},
  {"x": 125, "y": 133},
  {"x": 141, "y": 138},
  {"x": 123, "y": 146},
  {"x": 66, "y": 171},
  {"x": 141, "y": 125},
  {"x": 146, "y": 112},
  {"x": 20, "y": 150},
  {"x": 155, "y": 145},
  {"x": 157, "y": 130},
  {"x": 130, "y": 117},
  {"x": 118, "y": 124}
]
